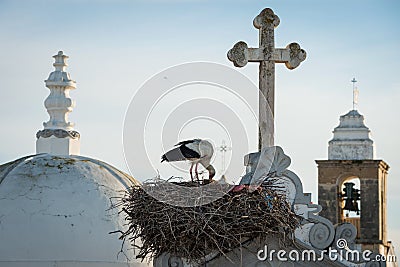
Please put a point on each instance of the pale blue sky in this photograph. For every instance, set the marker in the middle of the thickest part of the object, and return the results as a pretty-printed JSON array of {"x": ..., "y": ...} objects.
[{"x": 115, "y": 46}]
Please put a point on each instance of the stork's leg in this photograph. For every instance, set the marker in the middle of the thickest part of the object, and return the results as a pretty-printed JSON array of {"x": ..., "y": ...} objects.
[
  {"x": 196, "y": 172},
  {"x": 191, "y": 174}
]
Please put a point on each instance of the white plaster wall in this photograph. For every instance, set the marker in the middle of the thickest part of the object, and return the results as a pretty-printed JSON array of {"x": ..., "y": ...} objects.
[
  {"x": 351, "y": 134},
  {"x": 54, "y": 212},
  {"x": 58, "y": 146},
  {"x": 350, "y": 150}
]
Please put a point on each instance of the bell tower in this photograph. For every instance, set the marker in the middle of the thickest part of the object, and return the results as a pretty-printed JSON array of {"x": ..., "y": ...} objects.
[{"x": 352, "y": 183}]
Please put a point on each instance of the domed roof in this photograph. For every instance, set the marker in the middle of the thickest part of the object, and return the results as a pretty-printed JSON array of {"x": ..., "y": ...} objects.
[{"x": 56, "y": 209}]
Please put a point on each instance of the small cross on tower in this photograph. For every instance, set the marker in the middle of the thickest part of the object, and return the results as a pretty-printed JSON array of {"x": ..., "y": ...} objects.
[
  {"x": 267, "y": 55},
  {"x": 355, "y": 94}
]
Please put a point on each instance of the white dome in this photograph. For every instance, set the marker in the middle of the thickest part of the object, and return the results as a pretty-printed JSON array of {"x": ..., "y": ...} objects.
[{"x": 54, "y": 211}]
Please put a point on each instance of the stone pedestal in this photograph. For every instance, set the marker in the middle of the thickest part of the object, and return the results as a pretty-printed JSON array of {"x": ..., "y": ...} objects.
[{"x": 58, "y": 146}]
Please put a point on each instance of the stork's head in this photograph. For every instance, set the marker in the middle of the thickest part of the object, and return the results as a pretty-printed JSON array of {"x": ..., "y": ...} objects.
[{"x": 211, "y": 171}]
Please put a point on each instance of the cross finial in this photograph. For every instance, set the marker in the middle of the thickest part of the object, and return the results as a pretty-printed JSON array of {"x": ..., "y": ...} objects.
[
  {"x": 355, "y": 93},
  {"x": 59, "y": 104},
  {"x": 60, "y": 61},
  {"x": 267, "y": 55},
  {"x": 58, "y": 136}
]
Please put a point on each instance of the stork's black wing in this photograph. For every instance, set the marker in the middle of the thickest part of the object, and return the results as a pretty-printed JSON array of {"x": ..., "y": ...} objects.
[
  {"x": 180, "y": 153},
  {"x": 187, "y": 142},
  {"x": 189, "y": 153}
]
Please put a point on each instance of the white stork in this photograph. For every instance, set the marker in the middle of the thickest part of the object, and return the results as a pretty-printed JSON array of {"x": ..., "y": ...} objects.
[{"x": 196, "y": 151}]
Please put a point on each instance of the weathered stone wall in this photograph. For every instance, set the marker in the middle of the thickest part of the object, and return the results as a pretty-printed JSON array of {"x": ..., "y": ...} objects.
[{"x": 372, "y": 174}]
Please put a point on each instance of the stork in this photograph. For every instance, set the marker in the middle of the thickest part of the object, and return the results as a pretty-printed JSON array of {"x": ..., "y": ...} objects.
[{"x": 197, "y": 151}]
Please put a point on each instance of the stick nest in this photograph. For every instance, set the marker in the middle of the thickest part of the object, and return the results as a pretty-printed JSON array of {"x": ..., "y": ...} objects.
[{"x": 194, "y": 232}]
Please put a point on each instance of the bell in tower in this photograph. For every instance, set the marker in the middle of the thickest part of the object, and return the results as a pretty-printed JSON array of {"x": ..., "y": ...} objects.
[{"x": 351, "y": 196}]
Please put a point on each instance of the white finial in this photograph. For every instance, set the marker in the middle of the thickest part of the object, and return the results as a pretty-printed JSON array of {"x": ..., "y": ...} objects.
[
  {"x": 58, "y": 136},
  {"x": 60, "y": 61},
  {"x": 355, "y": 94}
]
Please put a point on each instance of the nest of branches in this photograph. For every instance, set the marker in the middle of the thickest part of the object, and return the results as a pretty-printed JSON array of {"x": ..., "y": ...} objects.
[{"x": 193, "y": 232}]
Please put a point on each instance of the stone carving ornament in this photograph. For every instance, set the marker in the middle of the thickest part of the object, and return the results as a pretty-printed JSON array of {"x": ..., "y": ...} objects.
[{"x": 59, "y": 133}]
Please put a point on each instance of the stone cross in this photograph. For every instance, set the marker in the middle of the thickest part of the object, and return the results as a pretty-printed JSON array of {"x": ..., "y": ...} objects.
[{"x": 267, "y": 55}]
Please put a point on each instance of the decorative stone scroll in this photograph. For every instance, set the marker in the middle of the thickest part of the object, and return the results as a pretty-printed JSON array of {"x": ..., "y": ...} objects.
[
  {"x": 322, "y": 233},
  {"x": 59, "y": 133},
  {"x": 348, "y": 232}
]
